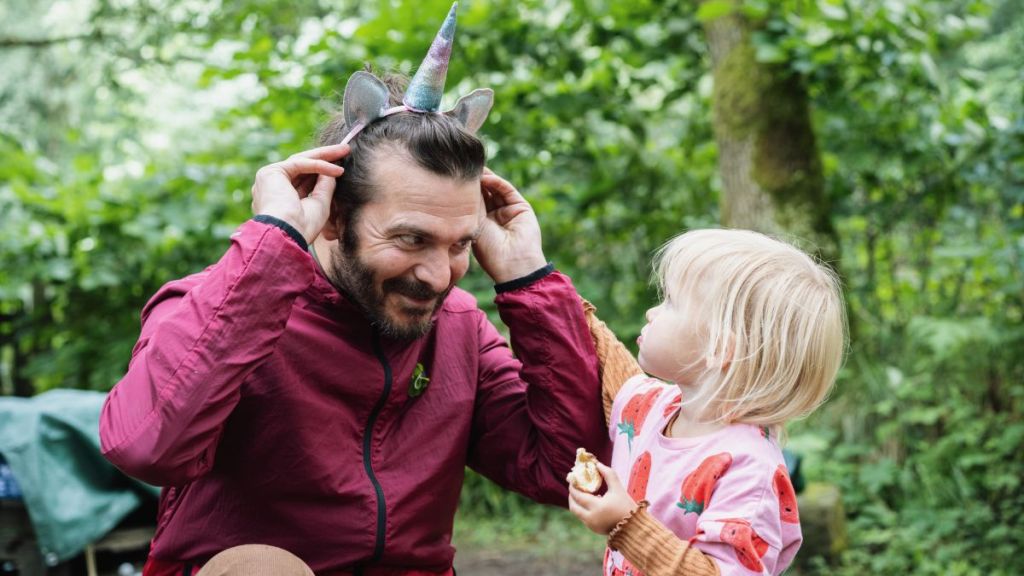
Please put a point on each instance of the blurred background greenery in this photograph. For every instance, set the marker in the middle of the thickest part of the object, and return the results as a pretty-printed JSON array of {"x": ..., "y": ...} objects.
[{"x": 889, "y": 134}]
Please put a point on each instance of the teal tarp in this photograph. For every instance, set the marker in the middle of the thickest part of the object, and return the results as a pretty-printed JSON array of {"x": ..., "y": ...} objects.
[{"x": 73, "y": 495}]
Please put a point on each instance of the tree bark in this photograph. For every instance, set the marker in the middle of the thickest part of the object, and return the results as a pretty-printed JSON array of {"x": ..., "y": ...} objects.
[
  {"x": 769, "y": 162},
  {"x": 12, "y": 42}
]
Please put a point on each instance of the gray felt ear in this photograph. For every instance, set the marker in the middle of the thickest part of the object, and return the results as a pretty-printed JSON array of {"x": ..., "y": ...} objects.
[
  {"x": 471, "y": 110},
  {"x": 366, "y": 99}
]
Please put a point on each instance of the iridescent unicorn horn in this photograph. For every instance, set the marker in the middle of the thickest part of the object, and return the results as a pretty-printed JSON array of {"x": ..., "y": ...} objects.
[
  {"x": 424, "y": 92},
  {"x": 367, "y": 97}
]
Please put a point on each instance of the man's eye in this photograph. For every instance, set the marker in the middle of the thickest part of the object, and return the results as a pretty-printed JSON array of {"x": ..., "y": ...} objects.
[
  {"x": 410, "y": 240},
  {"x": 462, "y": 246}
]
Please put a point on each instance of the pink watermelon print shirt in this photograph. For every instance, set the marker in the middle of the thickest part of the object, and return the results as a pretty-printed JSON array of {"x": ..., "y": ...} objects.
[{"x": 727, "y": 493}]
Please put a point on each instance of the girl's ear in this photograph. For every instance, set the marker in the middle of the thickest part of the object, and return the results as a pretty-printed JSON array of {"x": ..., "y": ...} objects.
[
  {"x": 730, "y": 351},
  {"x": 713, "y": 362}
]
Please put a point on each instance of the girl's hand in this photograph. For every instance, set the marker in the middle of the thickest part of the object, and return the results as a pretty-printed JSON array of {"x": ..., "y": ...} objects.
[{"x": 602, "y": 513}]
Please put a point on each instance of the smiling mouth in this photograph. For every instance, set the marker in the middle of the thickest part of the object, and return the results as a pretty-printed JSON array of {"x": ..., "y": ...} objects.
[
  {"x": 413, "y": 306},
  {"x": 419, "y": 302}
]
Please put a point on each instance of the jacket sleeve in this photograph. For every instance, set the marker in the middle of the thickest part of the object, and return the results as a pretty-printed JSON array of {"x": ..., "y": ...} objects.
[
  {"x": 201, "y": 337},
  {"x": 533, "y": 412}
]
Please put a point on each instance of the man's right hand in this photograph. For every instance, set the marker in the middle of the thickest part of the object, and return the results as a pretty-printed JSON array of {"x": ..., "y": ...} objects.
[{"x": 299, "y": 190}]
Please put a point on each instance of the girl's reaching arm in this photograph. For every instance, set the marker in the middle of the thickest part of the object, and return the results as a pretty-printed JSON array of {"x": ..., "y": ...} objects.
[{"x": 616, "y": 364}]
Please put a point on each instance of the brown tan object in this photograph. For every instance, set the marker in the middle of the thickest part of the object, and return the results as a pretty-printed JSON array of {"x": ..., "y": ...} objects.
[
  {"x": 616, "y": 364},
  {"x": 255, "y": 560},
  {"x": 584, "y": 474}
]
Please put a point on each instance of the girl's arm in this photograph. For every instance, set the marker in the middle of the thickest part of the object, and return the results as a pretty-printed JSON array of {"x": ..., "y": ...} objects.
[
  {"x": 655, "y": 550},
  {"x": 616, "y": 363}
]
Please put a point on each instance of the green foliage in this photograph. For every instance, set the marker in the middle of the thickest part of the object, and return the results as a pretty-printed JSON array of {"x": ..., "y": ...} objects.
[{"x": 126, "y": 160}]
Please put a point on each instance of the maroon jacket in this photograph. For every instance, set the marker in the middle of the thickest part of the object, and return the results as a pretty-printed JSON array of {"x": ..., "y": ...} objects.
[{"x": 272, "y": 412}]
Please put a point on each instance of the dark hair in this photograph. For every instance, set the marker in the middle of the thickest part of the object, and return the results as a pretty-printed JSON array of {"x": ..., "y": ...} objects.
[{"x": 436, "y": 142}]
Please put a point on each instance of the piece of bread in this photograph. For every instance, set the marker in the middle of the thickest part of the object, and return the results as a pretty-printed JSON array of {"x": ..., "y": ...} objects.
[{"x": 584, "y": 474}]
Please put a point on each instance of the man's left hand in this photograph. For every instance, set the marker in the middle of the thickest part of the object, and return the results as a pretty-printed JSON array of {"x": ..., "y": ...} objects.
[{"x": 509, "y": 245}]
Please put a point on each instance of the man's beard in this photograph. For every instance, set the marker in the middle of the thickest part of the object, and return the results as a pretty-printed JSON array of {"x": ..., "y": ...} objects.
[{"x": 356, "y": 279}]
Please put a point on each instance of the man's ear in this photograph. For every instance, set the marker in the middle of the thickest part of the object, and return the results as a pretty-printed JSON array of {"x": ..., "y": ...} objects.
[{"x": 333, "y": 228}]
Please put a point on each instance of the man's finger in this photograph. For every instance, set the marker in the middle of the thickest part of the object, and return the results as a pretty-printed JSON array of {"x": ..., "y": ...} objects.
[
  {"x": 500, "y": 193},
  {"x": 332, "y": 152},
  {"x": 496, "y": 183},
  {"x": 317, "y": 205},
  {"x": 295, "y": 167},
  {"x": 323, "y": 190}
]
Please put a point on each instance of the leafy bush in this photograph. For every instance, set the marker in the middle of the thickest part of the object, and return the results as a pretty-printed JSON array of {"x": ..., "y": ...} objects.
[{"x": 110, "y": 186}]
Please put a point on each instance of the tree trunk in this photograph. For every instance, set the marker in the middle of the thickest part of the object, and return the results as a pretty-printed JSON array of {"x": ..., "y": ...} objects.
[{"x": 769, "y": 163}]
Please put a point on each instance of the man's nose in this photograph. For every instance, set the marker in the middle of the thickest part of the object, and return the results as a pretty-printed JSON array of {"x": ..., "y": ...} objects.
[{"x": 435, "y": 270}]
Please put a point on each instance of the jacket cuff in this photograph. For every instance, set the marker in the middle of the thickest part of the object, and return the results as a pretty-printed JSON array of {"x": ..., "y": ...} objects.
[
  {"x": 286, "y": 227},
  {"x": 525, "y": 280}
]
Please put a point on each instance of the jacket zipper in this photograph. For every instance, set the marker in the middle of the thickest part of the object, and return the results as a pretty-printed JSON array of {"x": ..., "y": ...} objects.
[{"x": 378, "y": 549}]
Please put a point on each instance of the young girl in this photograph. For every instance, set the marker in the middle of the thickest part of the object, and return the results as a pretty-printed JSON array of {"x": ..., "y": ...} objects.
[{"x": 749, "y": 335}]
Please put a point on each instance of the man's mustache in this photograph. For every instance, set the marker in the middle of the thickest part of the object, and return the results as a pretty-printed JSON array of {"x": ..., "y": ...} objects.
[{"x": 411, "y": 288}]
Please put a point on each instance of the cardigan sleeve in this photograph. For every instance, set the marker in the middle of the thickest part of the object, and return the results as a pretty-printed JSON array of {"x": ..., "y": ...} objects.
[
  {"x": 616, "y": 364},
  {"x": 655, "y": 550}
]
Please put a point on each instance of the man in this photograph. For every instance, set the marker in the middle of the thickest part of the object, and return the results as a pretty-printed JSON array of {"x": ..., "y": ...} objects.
[{"x": 326, "y": 400}]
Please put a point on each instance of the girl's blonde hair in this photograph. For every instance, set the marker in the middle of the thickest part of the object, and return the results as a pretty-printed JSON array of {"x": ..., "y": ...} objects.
[{"x": 771, "y": 308}]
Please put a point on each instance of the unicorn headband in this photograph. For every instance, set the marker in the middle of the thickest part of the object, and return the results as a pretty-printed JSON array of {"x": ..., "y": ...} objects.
[{"x": 366, "y": 97}]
